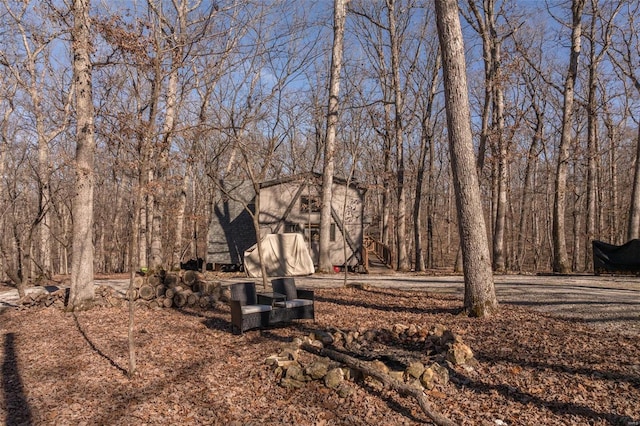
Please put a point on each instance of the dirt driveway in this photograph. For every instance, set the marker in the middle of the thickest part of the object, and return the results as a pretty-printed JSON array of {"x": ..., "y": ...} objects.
[{"x": 608, "y": 302}]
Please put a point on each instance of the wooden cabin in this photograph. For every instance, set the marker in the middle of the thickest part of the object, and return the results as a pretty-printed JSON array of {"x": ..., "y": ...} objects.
[{"x": 290, "y": 204}]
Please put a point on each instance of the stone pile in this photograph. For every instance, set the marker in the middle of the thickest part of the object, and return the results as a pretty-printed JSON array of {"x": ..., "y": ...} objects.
[{"x": 434, "y": 351}]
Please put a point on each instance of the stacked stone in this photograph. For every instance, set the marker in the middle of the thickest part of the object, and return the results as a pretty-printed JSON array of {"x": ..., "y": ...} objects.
[{"x": 442, "y": 351}]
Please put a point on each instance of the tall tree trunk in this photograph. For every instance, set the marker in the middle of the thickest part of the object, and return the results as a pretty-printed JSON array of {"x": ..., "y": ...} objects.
[
  {"x": 527, "y": 188},
  {"x": 592, "y": 149},
  {"x": 82, "y": 289},
  {"x": 170, "y": 113},
  {"x": 560, "y": 257},
  {"x": 611, "y": 216},
  {"x": 339, "y": 17},
  {"x": 595, "y": 58},
  {"x": 426, "y": 148},
  {"x": 401, "y": 218},
  {"x": 386, "y": 194},
  {"x": 479, "y": 296},
  {"x": 425, "y": 139},
  {"x": 500, "y": 223},
  {"x": 179, "y": 218},
  {"x": 134, "y": 261},
  {"x": 633, "y": 229},
  {"x": 493, "y": 123},
  {"x": 431, "y": 205},
  {"x": 8, "y": 265}
]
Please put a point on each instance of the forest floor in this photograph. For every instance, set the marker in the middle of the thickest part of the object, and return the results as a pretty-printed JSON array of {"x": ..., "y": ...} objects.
[{"x": 532, "y": 367}]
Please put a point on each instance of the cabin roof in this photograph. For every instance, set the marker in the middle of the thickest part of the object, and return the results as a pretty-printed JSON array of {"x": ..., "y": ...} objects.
[{"x": 311, "y": 176}]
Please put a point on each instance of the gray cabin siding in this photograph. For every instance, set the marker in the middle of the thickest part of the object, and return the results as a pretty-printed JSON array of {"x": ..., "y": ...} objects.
[
  {"x": 289, "y": 205},
  {"x": 231, "y": 229}
]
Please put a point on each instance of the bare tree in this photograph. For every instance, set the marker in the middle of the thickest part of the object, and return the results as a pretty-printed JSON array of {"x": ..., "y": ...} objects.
[
  {"x": 339, "y": 16},
  {"x": 493, "y": 121},
  {"x": 27, "y": 57},
  {"x": 383, "y": 32},
  {"x": 595, "y": 60},
  {"x": 537, "y": 124},
  {"x": 82, "y": 289},
  {"x": 625, "y": 54},
  {"x": 479, "y": 296},
  {"x": 10, "y": 260},
  {"x": 560, "y": 257},
  {"x": 426, "y": 88},
  {"x": 398, "y": 130}
]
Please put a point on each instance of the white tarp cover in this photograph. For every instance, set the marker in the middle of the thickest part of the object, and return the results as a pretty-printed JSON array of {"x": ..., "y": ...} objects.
[{"x": 284, "y": 255}]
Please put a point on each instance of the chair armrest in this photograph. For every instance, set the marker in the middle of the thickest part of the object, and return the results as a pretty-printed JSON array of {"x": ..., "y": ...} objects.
[
  {"x": 305, "y": 294},
  {"x": 270, "y": 298},
  {"x": 236, "y": 308}
]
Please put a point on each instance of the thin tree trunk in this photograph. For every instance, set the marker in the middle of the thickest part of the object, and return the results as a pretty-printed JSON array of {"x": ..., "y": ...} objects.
[
  {"x": 633, "y": 229},
  {"x": 528, "y": 186},
  {"x": 401, "y": 217},
  {"x": 560, "y": 256},
  {"x": 499, "y": 227},
  {"x": 431, "y": 205},
  {"x": 613, "y": 212},
  {"x": 8, "y": 267},
  {"x": 426, "y": 148},
  {"x": 180, "y": 213},
  {"x": 417, "y": 203},
  {"x": 134, "y": 260}
]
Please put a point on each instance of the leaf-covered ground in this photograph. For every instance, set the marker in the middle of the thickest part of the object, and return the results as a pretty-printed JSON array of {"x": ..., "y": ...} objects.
[{"x": 533, "y": 369}]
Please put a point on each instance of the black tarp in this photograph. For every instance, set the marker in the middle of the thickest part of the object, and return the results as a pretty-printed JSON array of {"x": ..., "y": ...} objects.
[{"x": 620, "y": 259}]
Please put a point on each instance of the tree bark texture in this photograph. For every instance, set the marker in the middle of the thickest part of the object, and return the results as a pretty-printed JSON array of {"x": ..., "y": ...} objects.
[
  {"x": 339, "y": 17},
  {"x": 479, "y": 298},
  {"x": 82, "y": 290}
]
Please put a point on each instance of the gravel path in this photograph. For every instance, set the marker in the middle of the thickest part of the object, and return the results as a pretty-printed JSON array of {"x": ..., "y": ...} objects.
[{"x": 605, "y": 301}]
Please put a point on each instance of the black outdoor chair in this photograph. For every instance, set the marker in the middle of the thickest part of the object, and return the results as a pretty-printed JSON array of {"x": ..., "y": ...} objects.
[
  {"x": 246, "y": 313},
  {"x": 299, "y": 303}
]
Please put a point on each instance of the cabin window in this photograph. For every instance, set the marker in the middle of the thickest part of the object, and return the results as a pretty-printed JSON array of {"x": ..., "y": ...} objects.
[
  {"x": 312, "y": 232},
  {"x": 292, "y": 228},
  {"x": 310, "y": 204}
]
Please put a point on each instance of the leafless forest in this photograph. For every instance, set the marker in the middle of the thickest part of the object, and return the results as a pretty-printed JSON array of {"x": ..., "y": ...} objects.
[{"x": 187, "y": 94}]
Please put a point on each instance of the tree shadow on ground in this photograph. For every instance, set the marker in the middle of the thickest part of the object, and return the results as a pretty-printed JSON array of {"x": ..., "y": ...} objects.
[
  {"x": 15, "y": 400},
  {"x": 95, "y": 348},
  {"x": 542, "y": 365},
  {"x": 525, "y": 398},
  {"x": 388, "y": 308}
]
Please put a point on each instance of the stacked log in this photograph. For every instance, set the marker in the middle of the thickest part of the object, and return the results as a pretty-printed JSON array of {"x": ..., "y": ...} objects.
[
  {"x": 104, "y": 296},
  {"x": 44, "y": 299},
  {"x": 191, "y": 289}
]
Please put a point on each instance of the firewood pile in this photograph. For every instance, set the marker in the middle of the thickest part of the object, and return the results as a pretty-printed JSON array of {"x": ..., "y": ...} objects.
[
  {"x": 188, "y": 289},
  {"x": 58, "y": 297}
]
